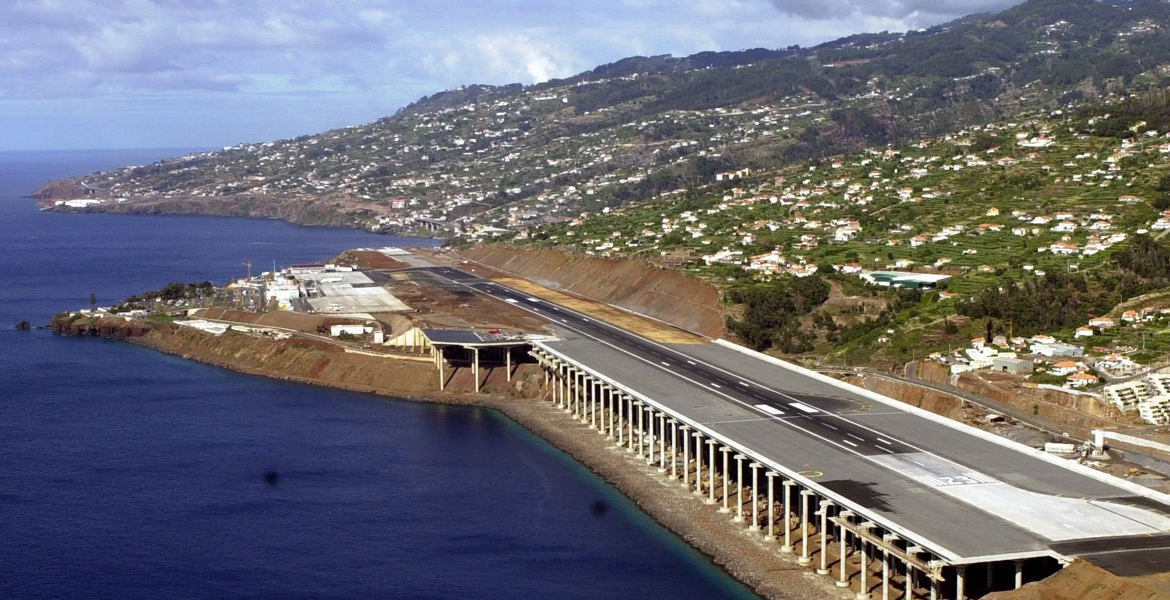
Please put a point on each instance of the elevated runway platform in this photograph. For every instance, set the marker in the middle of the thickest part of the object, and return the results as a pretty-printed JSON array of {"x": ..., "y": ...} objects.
[{"x": 891, "y": 475}]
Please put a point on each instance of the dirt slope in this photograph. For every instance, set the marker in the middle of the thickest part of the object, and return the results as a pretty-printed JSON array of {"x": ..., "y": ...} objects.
[
  {"x": 663, "y": 294},
  {"x": 1080, "y": 581}
]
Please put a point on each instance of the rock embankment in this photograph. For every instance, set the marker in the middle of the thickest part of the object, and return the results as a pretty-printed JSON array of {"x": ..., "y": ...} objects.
[
  {"x": 664, "y": 294},
  {"x": 303, "y": 360}
]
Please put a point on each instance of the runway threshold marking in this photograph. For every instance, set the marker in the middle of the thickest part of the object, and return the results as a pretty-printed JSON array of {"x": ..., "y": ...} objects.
[{"x": 803, "y": 407}]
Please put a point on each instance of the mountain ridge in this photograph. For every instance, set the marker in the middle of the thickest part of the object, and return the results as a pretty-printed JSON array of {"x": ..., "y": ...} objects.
[{"x": 643, "y": 126}]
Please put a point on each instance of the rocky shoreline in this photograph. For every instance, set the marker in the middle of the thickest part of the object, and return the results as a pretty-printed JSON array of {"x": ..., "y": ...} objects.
[{"x": 744, "y": 555}]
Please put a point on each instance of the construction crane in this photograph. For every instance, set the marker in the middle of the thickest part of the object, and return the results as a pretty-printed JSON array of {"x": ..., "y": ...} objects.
[{"x": 249, "y": 265}]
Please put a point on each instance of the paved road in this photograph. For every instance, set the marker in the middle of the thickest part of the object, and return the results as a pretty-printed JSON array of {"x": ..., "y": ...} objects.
[{"x": 966, "y": 498}]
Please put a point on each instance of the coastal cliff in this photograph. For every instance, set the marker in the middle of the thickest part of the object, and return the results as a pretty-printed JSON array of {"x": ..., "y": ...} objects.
[{"x": 323, "y": 212}]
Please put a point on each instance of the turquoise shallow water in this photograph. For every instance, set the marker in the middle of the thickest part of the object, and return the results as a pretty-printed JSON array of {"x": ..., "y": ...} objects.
[{"x": 125, "y": 473}]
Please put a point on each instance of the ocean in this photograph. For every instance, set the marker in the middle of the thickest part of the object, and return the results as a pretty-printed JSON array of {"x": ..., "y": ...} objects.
[{"x": 125, "y": 473}]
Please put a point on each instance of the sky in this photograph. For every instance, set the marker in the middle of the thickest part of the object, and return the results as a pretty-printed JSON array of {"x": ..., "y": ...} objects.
[{"x": 93, "y": 74}]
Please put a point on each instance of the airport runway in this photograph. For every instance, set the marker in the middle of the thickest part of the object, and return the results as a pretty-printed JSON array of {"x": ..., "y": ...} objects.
[{"x": 969, "y": 498}]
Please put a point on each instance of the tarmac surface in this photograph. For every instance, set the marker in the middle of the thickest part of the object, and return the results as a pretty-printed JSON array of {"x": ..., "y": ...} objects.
[{"x": 965, "y": 498}]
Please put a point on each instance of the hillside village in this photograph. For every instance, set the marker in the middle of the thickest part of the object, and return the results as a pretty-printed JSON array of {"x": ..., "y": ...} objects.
[
  {"x": 441, "y": 169},
  {"x": 954, "y": 214}
]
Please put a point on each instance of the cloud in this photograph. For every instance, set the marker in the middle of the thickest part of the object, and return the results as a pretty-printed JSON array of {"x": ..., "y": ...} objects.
[
  {"x": 923, "y": 11},
  {"x": 368, "y": 56}
]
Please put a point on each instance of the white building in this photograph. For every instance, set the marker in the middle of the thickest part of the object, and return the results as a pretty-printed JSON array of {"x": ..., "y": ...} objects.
[
  {"x": 1156, "y": 410},
  {"x": 1127, "y": 396},
  {"x": 355, "y": 330},
  {"x": 1159, "y": 384}
]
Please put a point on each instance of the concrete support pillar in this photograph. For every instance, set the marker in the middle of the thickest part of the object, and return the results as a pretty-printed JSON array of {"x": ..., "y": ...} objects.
[
  {"x": 571, "y": 388},
  {"x": 674, "y": 449},
  {"x": 686, "y": 465},
  {"x": 620, "y": 413},
  {"x": 475, "y": 367},
  {"x": 653, "y": 435},
  {"x": 508, "y": 362},
  {"x": 593, "y": 398},
  {"x": 934, "y": 589},
  {"x": 564, "y": 385},
  {"x": 630, "y": 418},
  {"x": 909, "y": 595},
  {"x": 574, "y": 392},
  {"x": 739, "y": 458},
  {"x": 648, "y": 414},
  {"x": 804, "y": 554},
  {"x": 661, "y": 442},
  {"x": 787, "y": 547},
  {"x": 825, "y": 505},
  {"x": 991, "y": 576},
  {"x": 771, "y": 507},
  {"x": 1019, "y": 574},
  {"x": 843, "y": 543},
  {"x": 567, "y": 393},
  {"x": 582, "y": 411},
  {"x": 698, "y": 463},
  {"x": 555, "y": 384},
  {"x": 755, "y": 526},
  {"x": 726, "y": 508},
  {"x": 960, "y": 583},
  {"x": 863, "y": 591},
  {"x": 641, "y": 408},
  {"x": 885, "y": 574},
  {"x": 612, "y": 397},
  {"x": 442, "y": 370},
  {"x": 711, "y": 446}
]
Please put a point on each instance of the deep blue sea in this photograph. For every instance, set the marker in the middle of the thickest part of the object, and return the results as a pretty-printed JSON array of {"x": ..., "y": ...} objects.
[{"x": 129, "y": 474}]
